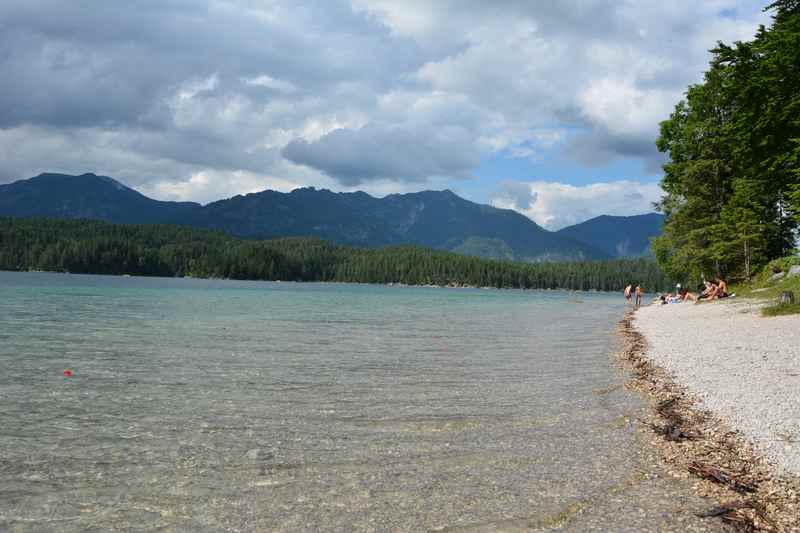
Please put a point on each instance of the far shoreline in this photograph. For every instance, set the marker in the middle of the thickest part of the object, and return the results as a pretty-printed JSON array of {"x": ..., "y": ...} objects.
[{"x": 365, "y": 283}]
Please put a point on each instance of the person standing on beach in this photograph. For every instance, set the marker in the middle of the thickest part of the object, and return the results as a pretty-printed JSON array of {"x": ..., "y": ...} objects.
[
  {"x": 627, "y": 293},
  {"x": 638, "y": 295}
]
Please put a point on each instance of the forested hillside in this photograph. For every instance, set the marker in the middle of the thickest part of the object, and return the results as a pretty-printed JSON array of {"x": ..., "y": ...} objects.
[
  {"x": 732, "y": 180},
  {"x": 86, "y": 246},
  {"x": 434, "y": 219}
]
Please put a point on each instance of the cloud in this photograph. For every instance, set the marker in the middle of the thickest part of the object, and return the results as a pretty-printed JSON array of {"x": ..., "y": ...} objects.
[
  {"x": 520, "y": 195},
  {"x": 269, "y": 82},
  {"x": 596, "y": 147},
  {"x": 623, "y": 108},
  {"x": 355, "y": 156},
  {"x": 183, "y": 87},
  {"x": 186, "y": 98},
  {"x": 555, "y": 205},
  {"x": 208, "y": 186},
  {"x": 115, "y": 155}
]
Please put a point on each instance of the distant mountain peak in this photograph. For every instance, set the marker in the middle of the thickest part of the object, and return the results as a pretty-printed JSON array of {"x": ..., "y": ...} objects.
[
  {"x": 90, "y": 177},
  {"x": 87, "y": 195},
  {"x": 617, "y": 235},
  {"x": 436, "y": 219}
]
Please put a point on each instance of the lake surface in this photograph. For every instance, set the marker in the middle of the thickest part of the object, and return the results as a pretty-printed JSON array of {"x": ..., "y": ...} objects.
[{"x": 203, "y": 405}]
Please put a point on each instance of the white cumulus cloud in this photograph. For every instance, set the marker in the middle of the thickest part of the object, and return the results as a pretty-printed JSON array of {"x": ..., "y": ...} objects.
[{"x": 555, "y": 205}]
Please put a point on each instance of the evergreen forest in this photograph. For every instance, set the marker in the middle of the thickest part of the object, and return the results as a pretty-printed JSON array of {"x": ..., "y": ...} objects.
[
  {"x": 732, "y": 177},
  {"x": 90, "y": 246}
]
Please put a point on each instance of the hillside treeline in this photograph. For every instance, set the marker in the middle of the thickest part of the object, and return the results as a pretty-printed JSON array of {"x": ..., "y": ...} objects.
[
  {"x": 732, "y": 179},
  {"x": 93, "y": 247}
]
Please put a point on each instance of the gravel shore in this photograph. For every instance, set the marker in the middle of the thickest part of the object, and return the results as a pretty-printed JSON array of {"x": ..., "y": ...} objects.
[{"x": 744, "y": 368}]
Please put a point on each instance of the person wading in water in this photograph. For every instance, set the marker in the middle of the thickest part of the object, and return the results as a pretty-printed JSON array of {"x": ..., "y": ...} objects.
[
  {"x": 638, "y": 295},
  {"x": 627, "y": 293}
]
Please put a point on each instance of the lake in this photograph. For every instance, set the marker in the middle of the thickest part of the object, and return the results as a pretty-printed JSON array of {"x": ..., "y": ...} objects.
[{"x": 209, "y": 405}]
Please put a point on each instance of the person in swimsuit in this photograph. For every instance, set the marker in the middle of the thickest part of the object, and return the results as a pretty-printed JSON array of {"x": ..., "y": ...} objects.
[
  {"x": 709, "y": 292},
  {"x": 722, "y": 289},
  {"x": 627, "y": 293},
  {"x": 687, "y": 295},
  {"x": 639, "y": 292}
]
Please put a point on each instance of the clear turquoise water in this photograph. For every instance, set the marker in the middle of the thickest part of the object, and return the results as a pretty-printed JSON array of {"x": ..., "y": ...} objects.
[{"x": 218, "y": 405}]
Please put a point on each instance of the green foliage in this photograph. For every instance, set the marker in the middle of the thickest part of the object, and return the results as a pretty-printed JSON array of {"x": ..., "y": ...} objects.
[
  {"x": 781, "y": 309},
  {"x": 732, "y": 181},
  {"x": 483, "y": 247},
  {"x": 782, "y": 264},
  {"x": 763, "y": 287},
  {"x": 86, "y": 246}
]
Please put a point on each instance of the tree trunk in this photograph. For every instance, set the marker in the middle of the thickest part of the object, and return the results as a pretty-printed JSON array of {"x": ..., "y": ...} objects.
[{"x": 747, "y": 259}]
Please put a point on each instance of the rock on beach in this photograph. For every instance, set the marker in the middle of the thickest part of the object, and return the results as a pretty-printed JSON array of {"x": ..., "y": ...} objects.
[{"x": 743, "y": 367}]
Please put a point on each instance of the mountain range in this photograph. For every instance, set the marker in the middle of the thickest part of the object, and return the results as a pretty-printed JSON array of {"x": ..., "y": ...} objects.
[
  {"x": 618, "y": 236},
  {"x": 436, "y": 219}
]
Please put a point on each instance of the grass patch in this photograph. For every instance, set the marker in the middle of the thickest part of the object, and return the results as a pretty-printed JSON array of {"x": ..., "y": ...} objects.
[
  {"x": 767, "y": 290},
  {"x": 763, "y": 289},
  {"x": 781, "y": 309}
]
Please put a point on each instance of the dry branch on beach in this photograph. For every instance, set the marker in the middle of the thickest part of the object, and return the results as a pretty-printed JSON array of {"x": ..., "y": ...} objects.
[
  {"x": 694, "y": 442},
  {"x": 718, "y": 475}
]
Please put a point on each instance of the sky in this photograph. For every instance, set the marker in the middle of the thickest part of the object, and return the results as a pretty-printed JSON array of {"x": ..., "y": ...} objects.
[{"x": 548, "y": 108}]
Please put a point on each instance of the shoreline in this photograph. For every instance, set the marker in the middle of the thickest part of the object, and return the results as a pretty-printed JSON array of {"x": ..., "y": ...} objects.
[
  {"x": 753, "y": 493},
  {"x": 391, "y": 284}
]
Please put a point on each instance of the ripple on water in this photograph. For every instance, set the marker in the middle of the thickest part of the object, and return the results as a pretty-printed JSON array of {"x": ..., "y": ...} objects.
[{"x": 210, "y": 405}]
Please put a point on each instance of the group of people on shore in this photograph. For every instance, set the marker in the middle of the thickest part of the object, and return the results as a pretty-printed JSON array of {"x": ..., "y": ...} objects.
[
  {"x": 630, "y": 292},
  {"x": 709, "y": 290}
]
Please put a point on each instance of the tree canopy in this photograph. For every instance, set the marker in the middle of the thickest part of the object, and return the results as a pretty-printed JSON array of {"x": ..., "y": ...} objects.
[
  {"x": 732, "y": 179},
  {"x": 94, "y": 247}
]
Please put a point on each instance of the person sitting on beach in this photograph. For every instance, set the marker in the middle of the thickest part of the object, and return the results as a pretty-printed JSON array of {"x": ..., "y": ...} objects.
[
  {"x": 627, "y": 292},
  {"x": 668, "y": 298},
  {"x": 722, "y": 289},
  {"x": 686, "y": 295},
  {"x": 708, "y": 292}
]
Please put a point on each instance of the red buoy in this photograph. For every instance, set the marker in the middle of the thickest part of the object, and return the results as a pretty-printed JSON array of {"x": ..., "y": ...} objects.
[{"x": 68, "y": 373}]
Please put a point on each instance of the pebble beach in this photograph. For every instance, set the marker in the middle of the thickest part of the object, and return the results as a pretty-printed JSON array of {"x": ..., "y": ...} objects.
[
  {"x": 724, "y": 388},
  {"x": 743, "y": 367}
]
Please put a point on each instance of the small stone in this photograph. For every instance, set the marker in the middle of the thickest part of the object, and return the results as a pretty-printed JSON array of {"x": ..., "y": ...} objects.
[{"x": 258, "y": 455}]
